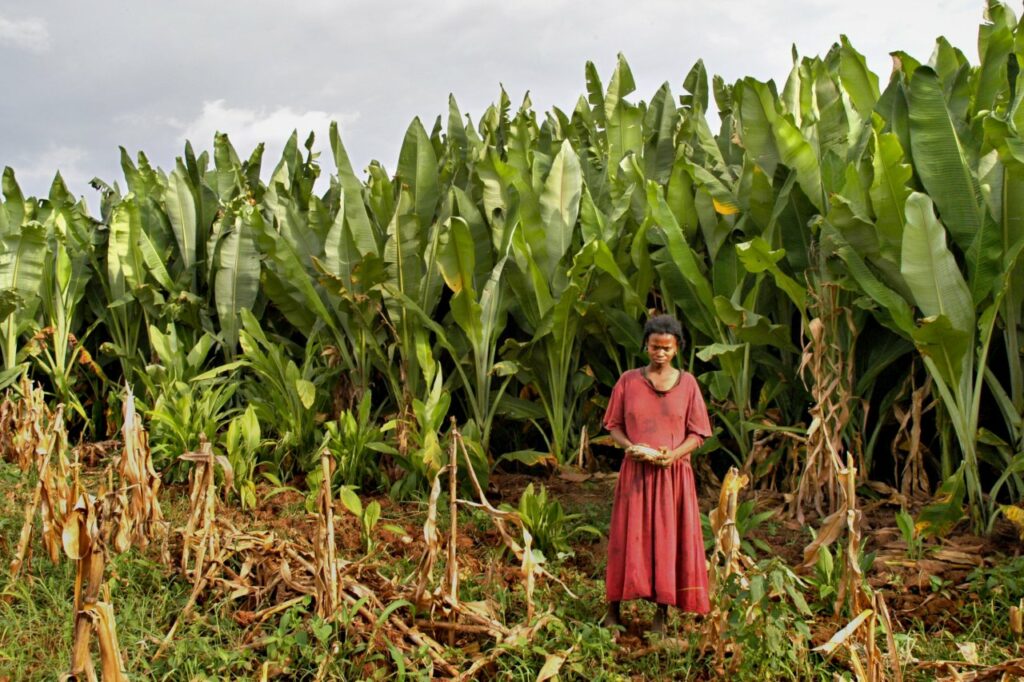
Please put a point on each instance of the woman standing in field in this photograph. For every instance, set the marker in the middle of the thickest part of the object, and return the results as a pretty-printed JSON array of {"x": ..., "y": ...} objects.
[{"x": 655, "y": 546}]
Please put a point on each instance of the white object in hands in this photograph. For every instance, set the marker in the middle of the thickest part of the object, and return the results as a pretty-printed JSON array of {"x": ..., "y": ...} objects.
[{"x": 645, "y": 453}]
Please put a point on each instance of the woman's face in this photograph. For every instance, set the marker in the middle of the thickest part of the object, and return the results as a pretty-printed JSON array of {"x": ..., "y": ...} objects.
[{"x": 661, "y": 348}]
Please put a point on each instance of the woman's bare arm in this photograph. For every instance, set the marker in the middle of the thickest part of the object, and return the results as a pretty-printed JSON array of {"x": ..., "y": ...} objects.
[{"x": 619, "y": 436}]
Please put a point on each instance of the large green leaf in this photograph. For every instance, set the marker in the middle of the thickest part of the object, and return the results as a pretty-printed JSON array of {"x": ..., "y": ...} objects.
[
  {"x": 897, "y": 313},
  {"x": 931, "y": 270},
  {"x": 940, "y": 160},
  {"x": 559, "y": 206},
  {"x": 417, "y": 168},
  {"x": 889, "y": 192},
  {"x": 757, "y": 256},
  {"x": 995, "y": 45},
  {"x": 624, "y": 129},
  {"x": 659, "y": 125},
  {"x": 14, "y": 203},
  {"x": 124, "y": 261},
  {"x": 755, "y": 115},
  {"x": 457, "y": 263},
  {"x": 773, "y": 139},
  {"x": 181, "y": 211},
  {"x": 859, "y": 81},
  {"x": 696, "y": 83},
  {"x": 354, "y": 211},
  {"x": 683, "y": 257},
  {"x": 238, "y": 275}
]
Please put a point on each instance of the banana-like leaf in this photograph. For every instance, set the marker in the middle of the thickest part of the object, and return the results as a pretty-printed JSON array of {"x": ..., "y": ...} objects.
[
  {"x": 696, "y": 83},
  {"x": 995, "y": 45},
  {"x": 417, "y": 168},
  {"x": 624, "y": 121},
  {"x": 859, "y": 81},
  {"x": 181, "y": 211},
  {"x": 559, "y": 207},
  {"x": 931, "y": 270},
  {"x": 341, "y": 252},
  {"x": 125, "y": 269},
  {"x": 756, "y": 111},
  {"x": 660, "y": 123},
  {"x": 682, "y": 255},
  {"x": 13, "y": 209},
  {"x": 363, "y": 233},
  {"x": 896, "y": 312},
  {"x": 940, "y": 160},
  {"x": 889, "y": 192},
  {"x": 236, "y": 284},
  {"x": 948, "y": 347},
  {"x": 752, "y": 328},
  {"x": 757, "y": 256},
  {"x": 457, "y": 263},
  {"x": 22, "y": 261}
]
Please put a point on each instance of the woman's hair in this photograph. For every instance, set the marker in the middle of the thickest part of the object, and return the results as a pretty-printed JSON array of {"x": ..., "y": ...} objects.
[{"x": 664, "y": 324}]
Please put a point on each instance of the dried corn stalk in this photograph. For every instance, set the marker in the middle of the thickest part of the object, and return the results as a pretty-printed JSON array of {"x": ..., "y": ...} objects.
[
  {"x": 325, "y": 550},
  {"x": 198, "y": 534},
  {"x": 858, "y": 636},
  {"x": 452, "y": 567},
  {"x": 914, "y": 478},
  {"x": 831, "y": 369},
  {"x": 83, "y": 541},
  {"x": 139, "y": 477},
  {"x": 727, "y": 559},
  {"x": 23, "y": 425}
]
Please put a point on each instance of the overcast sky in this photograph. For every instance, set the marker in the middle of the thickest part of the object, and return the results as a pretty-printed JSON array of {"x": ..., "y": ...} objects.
[{"x": 81, "y": 78}]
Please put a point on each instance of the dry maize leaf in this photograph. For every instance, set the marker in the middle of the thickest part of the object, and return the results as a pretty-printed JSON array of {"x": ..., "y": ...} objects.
[
  {"x": 529, "y": 568},
  {"x": 969, "y": 650},
  {"x": 106, "y": 631},
  {"x": 74, "y": 535},
  {"x": 831, "y": 527},
  {"x": 952, "y": 556},
  {"x": 840, "y": 637},
  {"x": 484, "y": 608},
  {"x": 229, "y": 472},
  {"x": 552, "y": 664},
  {"x": 123, "y": 538},
  {"x": 574, "y": 476}
]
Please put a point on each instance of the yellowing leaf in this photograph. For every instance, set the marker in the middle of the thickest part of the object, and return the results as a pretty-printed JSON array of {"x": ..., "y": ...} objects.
[
  {"x": 723, "y": 208},
  {"x": 306, "y": 391},
  {"x": 840, "y": 637},
  {"x": 1016, "y": 515}
]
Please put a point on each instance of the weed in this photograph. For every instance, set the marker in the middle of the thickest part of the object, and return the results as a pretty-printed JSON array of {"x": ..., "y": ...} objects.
[{"x": 546, "y": 522}]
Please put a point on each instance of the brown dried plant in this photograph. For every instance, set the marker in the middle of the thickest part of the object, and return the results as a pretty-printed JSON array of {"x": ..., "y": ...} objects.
[
  {"x": 858, "y": 636},
  {"x": 827, "y": 365},
  {"x": 727, "y": 559}
]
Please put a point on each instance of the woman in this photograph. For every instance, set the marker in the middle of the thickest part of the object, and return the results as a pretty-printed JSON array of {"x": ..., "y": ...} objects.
[{"x": 655, "y": 546}]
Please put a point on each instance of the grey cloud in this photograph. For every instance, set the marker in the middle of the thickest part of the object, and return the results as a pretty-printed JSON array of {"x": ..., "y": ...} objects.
[
  {"x": 141, "y": 74},
  {"x": 24, "y": 34}
]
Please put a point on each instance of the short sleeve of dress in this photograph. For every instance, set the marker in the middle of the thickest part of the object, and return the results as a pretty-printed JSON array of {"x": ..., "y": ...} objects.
[
  {"x": 615, "y": 414},
  {"x": 697, "y": 421}
]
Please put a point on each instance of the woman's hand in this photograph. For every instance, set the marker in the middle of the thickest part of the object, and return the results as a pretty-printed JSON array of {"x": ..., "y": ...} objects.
[{"x": 642, "y": 452}]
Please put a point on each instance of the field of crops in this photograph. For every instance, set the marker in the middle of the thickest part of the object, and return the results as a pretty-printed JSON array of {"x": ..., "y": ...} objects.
[{"x": 282, "y": 428}]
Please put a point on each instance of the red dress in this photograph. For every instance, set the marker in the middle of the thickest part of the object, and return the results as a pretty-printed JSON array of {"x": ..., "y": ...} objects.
[{"x": 655, "y": 545}]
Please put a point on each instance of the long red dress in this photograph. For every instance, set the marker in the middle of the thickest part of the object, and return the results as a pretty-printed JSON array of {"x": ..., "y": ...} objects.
[{"x": 655, "y": 545}]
